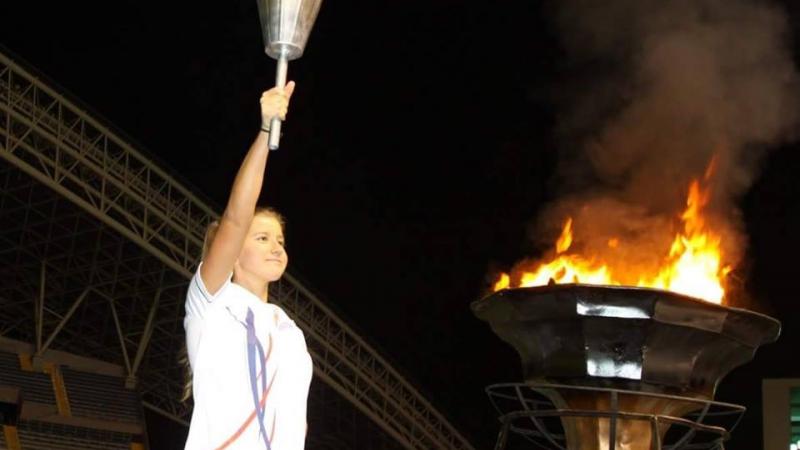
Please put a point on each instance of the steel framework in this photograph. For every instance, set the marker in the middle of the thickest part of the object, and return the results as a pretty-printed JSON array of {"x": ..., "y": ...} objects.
[{"x": 98, "y": 244}]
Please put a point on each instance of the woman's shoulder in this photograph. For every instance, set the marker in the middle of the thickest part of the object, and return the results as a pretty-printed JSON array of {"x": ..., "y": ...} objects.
[{"x": 276, "y": 310}]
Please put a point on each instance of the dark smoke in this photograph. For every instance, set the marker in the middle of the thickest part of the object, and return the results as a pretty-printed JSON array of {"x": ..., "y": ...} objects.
[{"x": 659, "y": 87}]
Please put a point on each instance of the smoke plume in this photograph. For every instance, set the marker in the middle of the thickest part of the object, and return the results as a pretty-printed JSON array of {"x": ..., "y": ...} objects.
[{"x": 660, "y": 89}]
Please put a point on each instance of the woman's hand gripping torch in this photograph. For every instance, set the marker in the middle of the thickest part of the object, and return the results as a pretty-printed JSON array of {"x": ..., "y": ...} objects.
[{"x": 274, "y": 106}]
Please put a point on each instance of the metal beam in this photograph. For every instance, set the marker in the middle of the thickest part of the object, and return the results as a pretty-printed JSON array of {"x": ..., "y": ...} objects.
[
  {"x": 148, "y": 332},
  {"x": 166, "y": 414},
  {"x": 63, "y": 321},
  {"x": 121, "y": 335},
  {"x": 40, "y": 307}
]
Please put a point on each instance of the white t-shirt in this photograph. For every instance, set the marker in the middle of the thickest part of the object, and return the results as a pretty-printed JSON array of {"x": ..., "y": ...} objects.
[{"x": 251, "y": 371}]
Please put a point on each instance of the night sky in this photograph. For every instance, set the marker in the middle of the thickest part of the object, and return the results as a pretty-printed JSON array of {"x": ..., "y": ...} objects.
[{"x": 420, "y": 145}]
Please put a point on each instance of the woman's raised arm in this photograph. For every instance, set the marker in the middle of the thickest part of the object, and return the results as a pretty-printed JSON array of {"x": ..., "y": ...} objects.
[{"x": 235, "y": 221}]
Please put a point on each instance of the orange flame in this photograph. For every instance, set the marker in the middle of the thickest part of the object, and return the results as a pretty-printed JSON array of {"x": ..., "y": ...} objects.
[
  {"x": 692, "y": 267},
  {"x": 694, "y": 263},
  {"x": 502, "y": 283},
  {"x": 565, "y": 240}
]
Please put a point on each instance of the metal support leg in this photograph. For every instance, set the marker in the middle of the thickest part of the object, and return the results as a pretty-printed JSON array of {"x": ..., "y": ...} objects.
[{"x": 502, "y": 438}]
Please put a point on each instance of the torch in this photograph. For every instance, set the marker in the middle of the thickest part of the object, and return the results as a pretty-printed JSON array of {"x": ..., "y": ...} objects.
[{"x": 285, "y": 25}]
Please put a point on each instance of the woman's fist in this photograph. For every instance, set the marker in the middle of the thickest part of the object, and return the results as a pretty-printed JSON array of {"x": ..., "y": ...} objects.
[{"x": 275, "y": 103}]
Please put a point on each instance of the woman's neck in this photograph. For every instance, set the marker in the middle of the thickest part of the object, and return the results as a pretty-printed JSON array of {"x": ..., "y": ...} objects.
[{"x": 256, "y": 287}]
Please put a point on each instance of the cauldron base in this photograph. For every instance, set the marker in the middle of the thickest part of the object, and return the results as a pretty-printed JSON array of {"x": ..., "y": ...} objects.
[{"x": 559, "y": 417}]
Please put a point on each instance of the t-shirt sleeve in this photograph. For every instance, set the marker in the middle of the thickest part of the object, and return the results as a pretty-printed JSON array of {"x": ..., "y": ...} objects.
[{"x": 198, "y": 299}]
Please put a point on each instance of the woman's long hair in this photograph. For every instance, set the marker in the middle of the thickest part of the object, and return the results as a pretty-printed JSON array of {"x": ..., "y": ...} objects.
[{"x": 211, "y": 233}]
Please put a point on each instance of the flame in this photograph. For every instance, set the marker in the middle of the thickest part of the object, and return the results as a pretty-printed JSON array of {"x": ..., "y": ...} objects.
[
  {"x": 502, "y": 283},
  {"x": 693, "y": 265},
  {"x": 565, "y": 240}
]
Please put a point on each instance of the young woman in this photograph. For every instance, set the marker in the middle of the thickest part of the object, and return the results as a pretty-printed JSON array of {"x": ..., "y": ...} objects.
[{"x": 250, "y": 366}]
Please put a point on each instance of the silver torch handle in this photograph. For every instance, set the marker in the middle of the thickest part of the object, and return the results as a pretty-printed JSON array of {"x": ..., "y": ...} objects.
[{"x": 280, "y": 82}]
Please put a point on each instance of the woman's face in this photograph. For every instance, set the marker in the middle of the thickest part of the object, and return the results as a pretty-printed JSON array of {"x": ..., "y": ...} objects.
[{"x": 263, "y": 255}]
